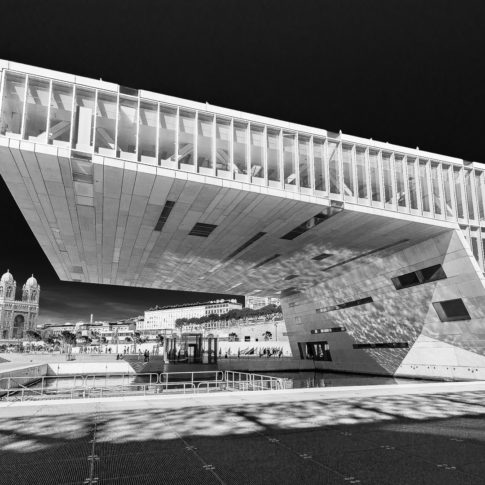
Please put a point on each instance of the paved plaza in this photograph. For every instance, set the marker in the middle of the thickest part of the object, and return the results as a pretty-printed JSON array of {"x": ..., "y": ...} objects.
[{"x": 428, "y": 434}]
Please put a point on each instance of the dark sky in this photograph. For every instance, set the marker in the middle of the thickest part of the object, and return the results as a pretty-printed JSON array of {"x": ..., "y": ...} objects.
[{"x": 407, "y": 72}]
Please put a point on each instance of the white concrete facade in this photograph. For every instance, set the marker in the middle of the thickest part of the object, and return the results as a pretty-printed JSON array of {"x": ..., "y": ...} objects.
[{"x": 134, "y": 188}]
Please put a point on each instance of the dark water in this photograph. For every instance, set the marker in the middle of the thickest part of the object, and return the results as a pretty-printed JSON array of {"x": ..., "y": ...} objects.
[
  {"x": 336, "y": 379},
  {"x": 300, "y": 380}
]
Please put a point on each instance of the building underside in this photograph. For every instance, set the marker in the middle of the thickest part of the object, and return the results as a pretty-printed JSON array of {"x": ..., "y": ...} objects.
[{"x": 374, "y": 249}]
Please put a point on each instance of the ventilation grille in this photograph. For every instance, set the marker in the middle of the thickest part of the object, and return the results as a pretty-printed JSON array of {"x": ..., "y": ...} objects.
[
  {"x": 202, "y": 230},
  {"x": 167, "y": 208},
  {"x": 248, "y": 243},
  {"x": 271, "y": 258}
]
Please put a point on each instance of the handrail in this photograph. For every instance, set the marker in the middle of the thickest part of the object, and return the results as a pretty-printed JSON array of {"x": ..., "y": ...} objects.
[{"x": 89, "y": 386}]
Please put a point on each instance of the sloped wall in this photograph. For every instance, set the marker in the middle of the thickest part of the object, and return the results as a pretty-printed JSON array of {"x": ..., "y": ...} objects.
[{"x": 397, "y": 316}]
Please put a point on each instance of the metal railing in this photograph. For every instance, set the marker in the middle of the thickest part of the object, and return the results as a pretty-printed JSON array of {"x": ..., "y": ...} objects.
[{"x": 112, "y": 385}]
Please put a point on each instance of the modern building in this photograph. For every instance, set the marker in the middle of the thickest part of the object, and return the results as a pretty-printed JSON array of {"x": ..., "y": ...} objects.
[
  {"x": 376, "y": 250},
  {"x": 257, "y": 302},
  {"x": 18, "y": 315},
  {"x": 164, "y": 319}
]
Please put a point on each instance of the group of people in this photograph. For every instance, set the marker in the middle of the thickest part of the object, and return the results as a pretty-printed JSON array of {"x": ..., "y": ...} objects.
[
  {"x": 271, "y": 352},
  {"x": 146, "y": 355}
]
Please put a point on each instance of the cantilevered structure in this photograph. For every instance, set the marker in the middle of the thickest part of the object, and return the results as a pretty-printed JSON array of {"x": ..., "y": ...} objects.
[{"x": 375, "y": 249}]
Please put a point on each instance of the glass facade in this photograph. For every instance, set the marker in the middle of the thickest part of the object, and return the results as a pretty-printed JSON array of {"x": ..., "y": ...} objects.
[{"x": 90, "y": 120}]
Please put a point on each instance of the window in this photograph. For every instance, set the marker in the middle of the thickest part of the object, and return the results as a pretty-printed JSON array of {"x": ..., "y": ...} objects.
[
  {"x": 342, "y": 306},
  {"x": 306, "y": 226},
  {"x": 319, "y": 162},
  {"x": 36, "y": 108},
  {"x": 257, "y": 145},
  {"x": 319, "y": 257},
  {"x": 186, "y": 137},
  {"x": 386, "y": 169},
  {"x": 451, "y": 310},
  {"x": 315, "y": 351},
  {"x": 383, "y": 345},
  {"x": 13, "y": 104},
  {"x": 105, "y": 123},
  {"x": 60, "y": 114},
  {"x": 374, "y": 175},
  {"x": 304, "y": 160},
  {"x": 248, "y": 243},
  {"x": 419, "y": 277},
  {"x": 347, "y": 165},
  {"x": 267, "y": 260},
  {"x": 164, "y": 215},
  {"x": 204, "y": 140},
  {"x": 84, "y": 121},
  {"x": 167, "y": 134},
  {"x": 273, "y": 147},
  {"x": 223, "y": 137},
  {"x": 147, "y": 137},
  {"x": 334, "y": 169},
  {"x": 423, "y": 178},
  {"x": 240, "y": 148},
  {"x": 329, "y": 330},
  {"x": 361, "y": 172}
]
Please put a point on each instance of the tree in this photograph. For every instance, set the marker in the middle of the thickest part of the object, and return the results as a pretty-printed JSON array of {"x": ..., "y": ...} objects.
[
  {"x": 127, "y": 340},
  {"x": 104, "y": 340},
  {"x": 233, "y": 337},
  {"x": 160, "y": 338},
  {"x": 33, "y": 335},
  {"x": 267, "y": 335},
  {"x": 68, "y": 337},
  {"x": 180, "y": 322},
  {"x": 51, "y": 340}
]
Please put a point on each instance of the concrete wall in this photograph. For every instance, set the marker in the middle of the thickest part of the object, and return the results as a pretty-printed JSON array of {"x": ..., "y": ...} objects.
[
  {"x": 89, "y": 368},
  {"x": 451, "y": 350},
  {"x": 23, "y": 375}
]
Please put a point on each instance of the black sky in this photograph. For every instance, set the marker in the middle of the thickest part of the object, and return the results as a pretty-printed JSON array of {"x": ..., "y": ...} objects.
[{"x": 407, "y": 72}]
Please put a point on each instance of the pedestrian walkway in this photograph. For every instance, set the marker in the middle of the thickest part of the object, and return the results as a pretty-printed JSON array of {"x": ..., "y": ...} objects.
[{"x": 427, "y": 434}]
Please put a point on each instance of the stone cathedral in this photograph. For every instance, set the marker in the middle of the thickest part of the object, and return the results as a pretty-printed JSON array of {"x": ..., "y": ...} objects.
[{"x": 18, "y": 316}]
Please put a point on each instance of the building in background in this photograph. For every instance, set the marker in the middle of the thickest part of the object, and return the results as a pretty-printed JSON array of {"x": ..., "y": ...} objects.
[
  {"x": 162, "y": 320},
  {"x": 257, "y": 302},
  {"x": 220, "y": 307},
  {"x": 18, "y": 316}
]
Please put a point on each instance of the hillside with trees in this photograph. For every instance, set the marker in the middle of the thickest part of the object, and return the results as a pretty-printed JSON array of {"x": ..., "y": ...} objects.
[{"x": 235, "y": 314}]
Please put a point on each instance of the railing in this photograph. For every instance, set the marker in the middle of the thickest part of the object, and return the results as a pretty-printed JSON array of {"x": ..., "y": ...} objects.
[{"x": 112, "y": 385}]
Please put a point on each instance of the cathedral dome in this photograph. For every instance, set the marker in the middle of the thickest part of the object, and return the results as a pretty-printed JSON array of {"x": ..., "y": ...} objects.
[
  {"x": 7, "y": 277},
  {"x": 31, "y": 282}
]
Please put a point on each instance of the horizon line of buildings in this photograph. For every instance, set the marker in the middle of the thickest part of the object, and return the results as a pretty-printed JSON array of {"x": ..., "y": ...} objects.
[{"x": 157, "y": 320}]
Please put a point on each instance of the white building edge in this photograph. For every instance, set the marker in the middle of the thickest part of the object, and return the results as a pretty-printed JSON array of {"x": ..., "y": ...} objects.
[{"x": 375, "y": 249}]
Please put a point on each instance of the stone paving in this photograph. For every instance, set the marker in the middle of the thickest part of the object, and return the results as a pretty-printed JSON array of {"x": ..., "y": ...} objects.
[{"x": 433, "y": 435}]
